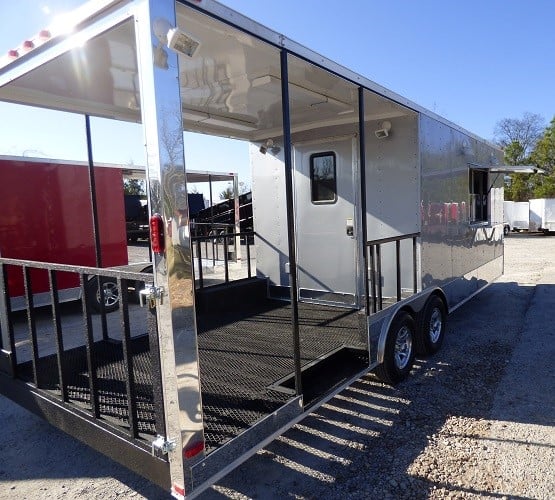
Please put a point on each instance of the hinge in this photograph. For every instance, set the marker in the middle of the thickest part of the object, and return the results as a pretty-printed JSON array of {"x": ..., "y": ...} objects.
[{"x": 163, "y": 445}]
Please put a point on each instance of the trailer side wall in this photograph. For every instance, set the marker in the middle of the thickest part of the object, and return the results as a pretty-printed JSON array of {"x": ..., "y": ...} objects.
[
  {"x": 46, "y": 216},
  {"x": 457, "y": 254}
]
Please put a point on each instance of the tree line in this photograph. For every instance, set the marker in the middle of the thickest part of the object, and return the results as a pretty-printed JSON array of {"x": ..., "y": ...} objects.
[{"x": 528, "y": 141}]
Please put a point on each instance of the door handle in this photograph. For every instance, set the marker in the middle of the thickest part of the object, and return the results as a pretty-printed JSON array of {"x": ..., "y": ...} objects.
[{"x": 349, "y": 228}]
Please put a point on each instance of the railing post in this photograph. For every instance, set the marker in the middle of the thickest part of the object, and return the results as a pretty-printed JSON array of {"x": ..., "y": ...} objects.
[
  {"x": 379, "y": 275},
  {"x": 248, "y": 254},
  {"x": 128, "y": 360},
  {"x": 6, "y": 326},
  {"x": 58, "y": 331},
  {"x": 31, "y": 323},
  {"x": 89, "y": 345},
  {"x": 373, "y": 276},
  {"x": 226, "y": 260},
  {"x": 199, "y": 251},
  {"x": 414, "y": 263},
  {"x": 398, "y": 268}
]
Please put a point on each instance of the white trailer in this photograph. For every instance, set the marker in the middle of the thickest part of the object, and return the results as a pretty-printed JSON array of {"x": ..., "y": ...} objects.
[
  {"x": 516, "y": 215},
  {"x": 374, "y": 218},
  {"x": 542, "y": 215}
]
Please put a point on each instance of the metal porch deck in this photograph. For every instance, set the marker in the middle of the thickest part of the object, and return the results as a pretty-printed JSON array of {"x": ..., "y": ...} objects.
[{"x": 245, "y": 361}]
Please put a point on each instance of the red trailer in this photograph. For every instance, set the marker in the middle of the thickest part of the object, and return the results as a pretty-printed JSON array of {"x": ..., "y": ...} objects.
[{"x": 46, "y": 216}]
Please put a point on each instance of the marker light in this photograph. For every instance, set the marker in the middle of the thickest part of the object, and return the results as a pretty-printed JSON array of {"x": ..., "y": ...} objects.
[
  {"x": 193, "y": 450},
  {"x": 157, "y": 233}
]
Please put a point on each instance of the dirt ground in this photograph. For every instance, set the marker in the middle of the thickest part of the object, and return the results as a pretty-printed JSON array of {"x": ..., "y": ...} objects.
[{"x": 475, "y": 421}]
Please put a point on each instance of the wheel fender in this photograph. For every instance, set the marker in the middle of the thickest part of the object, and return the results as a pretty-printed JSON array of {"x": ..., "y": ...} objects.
[{"x": 413, "y": 305}]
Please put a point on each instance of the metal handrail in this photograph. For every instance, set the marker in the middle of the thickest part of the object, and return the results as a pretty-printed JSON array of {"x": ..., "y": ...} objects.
[
  {"x": 374, "y": 248},
  {"x": 199, "y": 239},
  {"x": 85, "y": 275}
]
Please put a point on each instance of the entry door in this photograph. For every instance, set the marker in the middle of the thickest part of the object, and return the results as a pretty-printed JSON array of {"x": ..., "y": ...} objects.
[{"x": 325, "y": 222}]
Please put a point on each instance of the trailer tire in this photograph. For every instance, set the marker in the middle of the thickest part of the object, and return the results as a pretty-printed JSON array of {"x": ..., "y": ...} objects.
[
  {"x": 111, "y": 294},
  {"x": 399, "y": 349},
  {"x": 431, "y": 326}
]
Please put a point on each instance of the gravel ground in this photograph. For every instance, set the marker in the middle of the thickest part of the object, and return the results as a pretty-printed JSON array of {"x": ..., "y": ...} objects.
[{"x": 476, "y": 420}]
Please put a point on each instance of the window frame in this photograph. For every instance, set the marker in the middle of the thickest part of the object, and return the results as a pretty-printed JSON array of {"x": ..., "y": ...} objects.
[
  {"x": 313, "y": 182},
  {"x": 480, "y": 174}
]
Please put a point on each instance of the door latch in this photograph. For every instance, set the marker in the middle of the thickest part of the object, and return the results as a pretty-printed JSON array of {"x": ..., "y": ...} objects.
[
  {"x": 350, "y": 228},
  {"x": 163, "y": 445},
  {"x": 152, "y": 295}
]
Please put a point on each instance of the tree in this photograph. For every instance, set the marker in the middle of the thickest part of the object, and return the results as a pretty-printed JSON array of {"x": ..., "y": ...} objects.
[
  {"x": 544, "y": 153},
  {"x": 134, "y": 186},
  {"x": 227, "y": 193},
  {"x": 514, "y": 153},
  {"x": 524, "y": 132},
  {"x": 520, "y": 188}
]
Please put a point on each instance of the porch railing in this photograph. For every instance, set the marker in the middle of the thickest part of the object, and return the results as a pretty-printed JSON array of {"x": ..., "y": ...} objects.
[
  {"x": 375, "y": 299},
  {"x": 56, "y": 368},
  {"x": 217, "y": 249}
]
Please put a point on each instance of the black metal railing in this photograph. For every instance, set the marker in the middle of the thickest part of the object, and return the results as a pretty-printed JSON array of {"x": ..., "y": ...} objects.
[
  {"x": 218, "y": 249},
  {"x": 83, "y": 368},
  {"x": 375, "y": 299}
]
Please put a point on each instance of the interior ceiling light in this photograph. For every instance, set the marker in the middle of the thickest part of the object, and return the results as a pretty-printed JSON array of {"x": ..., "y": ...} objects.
[
  {"x": 218, "y": 120},
  {"x": 300, "y": 93}
]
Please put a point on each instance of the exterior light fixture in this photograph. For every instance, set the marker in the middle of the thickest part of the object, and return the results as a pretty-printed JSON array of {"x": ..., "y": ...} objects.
[
  {"x": 384, "y": 130},
  {"x": 182, "y": 42}
]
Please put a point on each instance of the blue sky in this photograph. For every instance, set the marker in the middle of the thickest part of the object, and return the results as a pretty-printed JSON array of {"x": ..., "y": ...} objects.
[{"x": 473, "y": 62}]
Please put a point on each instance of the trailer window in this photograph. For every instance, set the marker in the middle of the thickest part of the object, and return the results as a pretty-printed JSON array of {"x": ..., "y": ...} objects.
[
  {"x": 323, "y": 179},
  {"x": 479, "y": 194}
]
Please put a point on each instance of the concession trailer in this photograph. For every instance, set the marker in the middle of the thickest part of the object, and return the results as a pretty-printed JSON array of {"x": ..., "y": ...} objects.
[{"x": 373, "y": 218}]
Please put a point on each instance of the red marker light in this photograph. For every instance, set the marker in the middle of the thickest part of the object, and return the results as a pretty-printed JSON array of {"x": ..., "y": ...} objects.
[
  {"x": 157, "y": 233},
  {"x": 13, "y": 54},
  {"x": 194, "y": 449},
  {"x": 27, "y": 45},
  {"x": 44, "y": 35}
]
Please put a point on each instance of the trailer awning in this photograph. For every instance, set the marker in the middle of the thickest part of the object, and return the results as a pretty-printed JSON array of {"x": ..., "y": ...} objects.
[{"x": 516, "y": 169}]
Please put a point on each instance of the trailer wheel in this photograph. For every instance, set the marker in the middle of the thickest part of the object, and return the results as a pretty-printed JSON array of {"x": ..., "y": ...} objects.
[
  {"x": 399, "y": 349},
  {"x": 506, "y": 229},
  {"x": 431, "y": 327},
  {"x": 111, "y": 294}
]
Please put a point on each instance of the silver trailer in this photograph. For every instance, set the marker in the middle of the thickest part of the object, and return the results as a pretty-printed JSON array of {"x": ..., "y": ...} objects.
[{"x": 373, "y": 219}]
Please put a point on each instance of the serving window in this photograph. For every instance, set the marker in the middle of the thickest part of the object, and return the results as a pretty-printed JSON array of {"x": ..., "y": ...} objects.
[{"x": 479, "y": 195}]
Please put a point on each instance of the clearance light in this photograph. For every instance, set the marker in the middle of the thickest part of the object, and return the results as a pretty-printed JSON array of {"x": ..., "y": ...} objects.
[
  {"x": 27, "y": 45},
  {"x": 157, "y": 234},
  {"x": 13, "y": 54},
  {"x": 44, "y": 35},
  {"x": 193, "y": 450}
]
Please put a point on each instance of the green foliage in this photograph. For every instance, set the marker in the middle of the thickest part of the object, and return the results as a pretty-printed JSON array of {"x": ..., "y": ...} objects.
[
  {"x": 525, "y": 131},
  {"x": 539, "y": 152},
  {"x": 514, "y": 153},
  {"x": 227, "y": 193},
  {"x": 544, "y": 152},
  {"x": 134, "y": 186},
  {"x": 519, "y": 188},
  {"x": 545, "y": 188}
]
